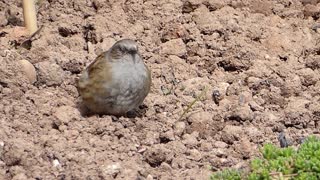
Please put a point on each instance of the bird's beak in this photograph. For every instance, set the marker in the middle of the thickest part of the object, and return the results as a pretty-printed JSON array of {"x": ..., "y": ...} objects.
[{"x": 134, "y": 57}]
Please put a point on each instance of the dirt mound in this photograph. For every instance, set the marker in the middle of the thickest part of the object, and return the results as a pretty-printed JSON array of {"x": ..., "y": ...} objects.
[{"x": 257, "y": 62}]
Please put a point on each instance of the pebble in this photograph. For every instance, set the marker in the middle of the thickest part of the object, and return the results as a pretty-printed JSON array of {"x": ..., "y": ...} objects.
[
  {"x": 195, "y": 155},
  {"x": 50, "y": 73},
  {"x": 149, "y": 177},
  {"x": 179, "y": 128},
  {"x": 29, "y": 71},
  {"x": 220, "y": 144},
  {"x": 190, "y": 140},
  {"x": 55, "y": 163},
  {"x": 112, "y": 169},
  {"x": 231, "y": 133}
]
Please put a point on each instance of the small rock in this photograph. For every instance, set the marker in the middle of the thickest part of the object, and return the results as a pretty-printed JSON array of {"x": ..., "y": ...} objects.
[
  {"x": 174, "y": 47},
  {"x": 255, "y": 106},
  {"x": 165, "y": 167},
  {"x": 190, "y": 5},
  {"x": 90, "y": 47},
  {"x": 66, "y": 29},
  {"x": 215, "y": 4},
  {"x": 231, "y": 133},
  {"x": 267, "y": 56},
  {"x": 149, "y": 177},
  {"x": 308, "y": 76},
  {"x": 190, "y": 140},
  {"x": 179, "y": 128},
  {"x": 245, "y": 148},
  {"x": 55, "y": 163},
  {"x": 167, "y": 136},
  {"x": 151, "y": 138},
  {"x": 29, "y": 70},
  {"x": 220, "y": 152},
  {"x": 195, "y": 154},
  {"x": 98, "y": 3},
  {"x": 241, "y": 113},
  {"x": 313, "y": 62},
  {"x": 111, "y": 170},
  {"x": 141, "y": 149},
  {"x": 253, "y": 82},
  {"x": 216, "y": 96},
  {"x": 283, "y": 140},
  {"x": 219, "y": 92},
  {"x": 50, "y": 73},
  {"x": 206, "y": 146},
  {"x": 220, "y": 144}
]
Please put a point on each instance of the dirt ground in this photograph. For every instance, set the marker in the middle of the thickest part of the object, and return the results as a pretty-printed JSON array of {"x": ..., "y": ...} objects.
[{"x": 253, "y": 66}]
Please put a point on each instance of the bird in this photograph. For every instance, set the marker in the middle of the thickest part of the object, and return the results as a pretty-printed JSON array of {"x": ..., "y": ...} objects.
[{"x": 117, "y": 81}]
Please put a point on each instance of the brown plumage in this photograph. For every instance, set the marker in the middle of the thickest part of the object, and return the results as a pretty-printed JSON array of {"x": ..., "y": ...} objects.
[{"x": 117, "y": 81}]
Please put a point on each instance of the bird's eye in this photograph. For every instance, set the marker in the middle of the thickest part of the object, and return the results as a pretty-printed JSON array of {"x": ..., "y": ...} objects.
[{"x": 132, "y": 50}]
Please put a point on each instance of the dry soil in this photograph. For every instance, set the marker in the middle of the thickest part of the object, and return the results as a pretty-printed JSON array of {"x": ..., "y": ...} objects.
[{"x": 252, "y": 65}]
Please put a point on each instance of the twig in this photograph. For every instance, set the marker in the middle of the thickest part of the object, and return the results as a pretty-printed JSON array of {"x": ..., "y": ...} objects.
[
  {"x": 192, "y": 103},
  {"x": 29, "y": 15}
]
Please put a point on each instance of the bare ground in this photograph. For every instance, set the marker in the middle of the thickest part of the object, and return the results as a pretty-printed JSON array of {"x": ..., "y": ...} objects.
[{"x": 257, "y": 62}]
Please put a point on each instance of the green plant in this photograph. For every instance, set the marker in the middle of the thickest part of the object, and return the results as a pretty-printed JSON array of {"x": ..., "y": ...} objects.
[
  {"x": 227, "y": 175},
  {"x": 281, "y": 163}
]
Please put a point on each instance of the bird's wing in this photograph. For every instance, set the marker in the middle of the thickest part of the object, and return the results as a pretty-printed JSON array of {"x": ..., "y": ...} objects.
[
  {"x": 97, "y": 65},
  {"x": 92, "y": 81}
]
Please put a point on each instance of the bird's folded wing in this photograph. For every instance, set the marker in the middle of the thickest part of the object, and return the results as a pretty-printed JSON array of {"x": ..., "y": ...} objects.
[{"x": 96, "y": 76}]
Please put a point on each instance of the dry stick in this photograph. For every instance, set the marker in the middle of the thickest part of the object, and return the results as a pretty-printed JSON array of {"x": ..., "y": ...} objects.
[
  {"x": 35, "y": 33},
  {"x": 192, "y": 103},
  {"x": 30, "y": 38},
  {"x": 29, "y": 15}
]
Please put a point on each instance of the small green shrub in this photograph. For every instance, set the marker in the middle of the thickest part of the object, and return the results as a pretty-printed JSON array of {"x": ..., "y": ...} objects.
[
  {"x": 281, "y": 163},
  {"x": 227, "y": 175}
]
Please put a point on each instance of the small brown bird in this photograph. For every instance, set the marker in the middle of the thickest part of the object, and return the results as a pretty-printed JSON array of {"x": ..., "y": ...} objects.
[{"x": 117, "y": 81}]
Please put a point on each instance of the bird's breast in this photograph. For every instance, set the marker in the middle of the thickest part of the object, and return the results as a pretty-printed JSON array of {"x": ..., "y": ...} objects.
[{"x": 129, "y": 75}]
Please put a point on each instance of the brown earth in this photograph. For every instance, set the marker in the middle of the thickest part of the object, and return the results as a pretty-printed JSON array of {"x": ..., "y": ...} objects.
[{"x": 256, "y": 61}]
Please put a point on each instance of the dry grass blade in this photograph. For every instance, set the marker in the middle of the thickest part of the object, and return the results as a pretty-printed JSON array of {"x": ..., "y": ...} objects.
[{"x": 192, "y": 103}]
